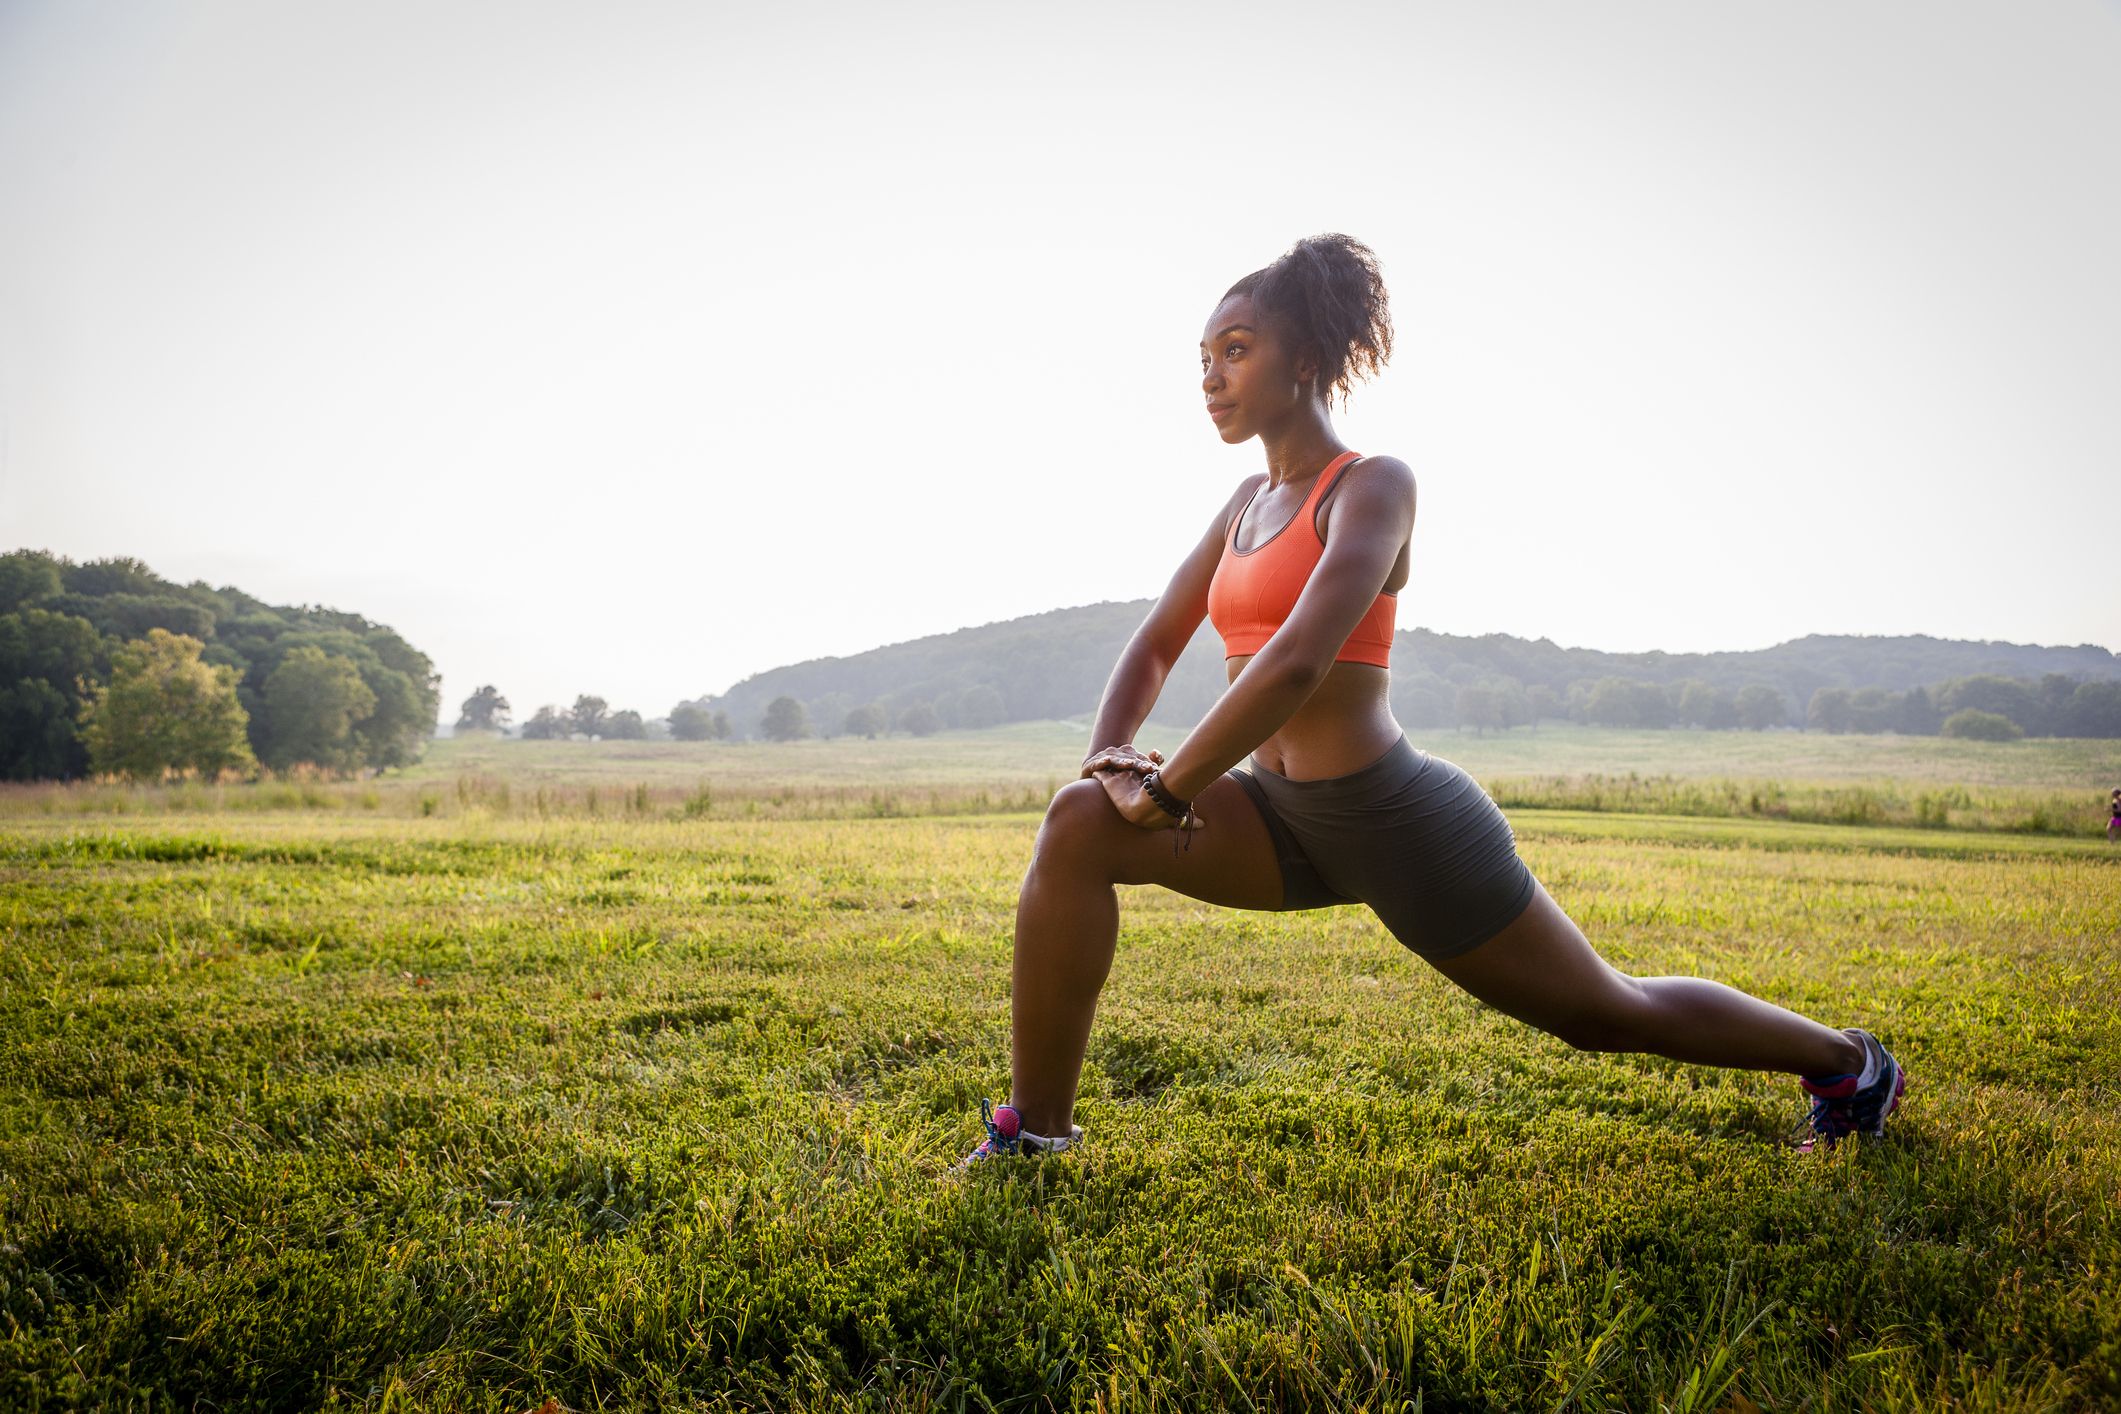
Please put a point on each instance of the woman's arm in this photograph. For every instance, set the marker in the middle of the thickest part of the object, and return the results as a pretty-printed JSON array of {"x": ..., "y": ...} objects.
[
  {"x": 1372, "y": 518},
  {"x": 1145, "y": 663}
]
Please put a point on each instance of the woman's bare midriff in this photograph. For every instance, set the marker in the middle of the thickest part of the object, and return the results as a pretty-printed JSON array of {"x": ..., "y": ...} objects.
[{"x": 1342, "y": 727}]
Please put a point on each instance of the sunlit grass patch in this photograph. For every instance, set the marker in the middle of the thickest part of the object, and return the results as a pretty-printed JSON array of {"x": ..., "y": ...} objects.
[{"x": 315, "y": 1108}]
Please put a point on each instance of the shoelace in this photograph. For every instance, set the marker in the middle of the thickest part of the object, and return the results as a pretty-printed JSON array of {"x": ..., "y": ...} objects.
[
  {"x": 1832, "y": 1118},
  {"x": 1829, "y": 1120},
  {"x": 994, "y": 1143}
]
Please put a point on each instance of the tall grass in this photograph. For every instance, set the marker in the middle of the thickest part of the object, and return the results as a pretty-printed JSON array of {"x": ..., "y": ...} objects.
[
  {"x": 486, "y": 796},
  {"x": 2045, "y": 812}
]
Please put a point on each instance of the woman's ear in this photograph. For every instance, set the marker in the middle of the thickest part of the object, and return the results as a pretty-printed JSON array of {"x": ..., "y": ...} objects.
[{"x": 1306, "y": 368}]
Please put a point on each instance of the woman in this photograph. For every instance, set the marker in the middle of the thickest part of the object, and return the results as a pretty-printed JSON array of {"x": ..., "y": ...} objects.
[
  {"x": 2113, "y": 817},
  {"x": 1298, "y": 570}
]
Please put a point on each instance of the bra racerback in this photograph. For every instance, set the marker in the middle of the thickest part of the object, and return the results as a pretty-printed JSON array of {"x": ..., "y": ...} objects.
[{"x": 1254, "y": 591}]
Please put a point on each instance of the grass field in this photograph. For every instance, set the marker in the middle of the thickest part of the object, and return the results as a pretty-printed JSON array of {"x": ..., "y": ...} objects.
[
  {"x": 2047, "y": 787},
  {"x": 344, "y": 1107}
]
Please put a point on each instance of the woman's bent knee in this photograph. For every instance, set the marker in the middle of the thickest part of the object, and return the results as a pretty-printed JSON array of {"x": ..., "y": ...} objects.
[
  {"x": 1079, "y": 813},
  {"x": 1080, "y": 805}
]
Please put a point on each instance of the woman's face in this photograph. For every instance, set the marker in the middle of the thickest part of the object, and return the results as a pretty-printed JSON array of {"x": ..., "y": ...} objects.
[{"x": 1247, "y": 372}]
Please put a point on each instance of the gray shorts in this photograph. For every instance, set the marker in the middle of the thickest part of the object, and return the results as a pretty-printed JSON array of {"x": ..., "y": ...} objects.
[{"x": 1410, "y": 834}]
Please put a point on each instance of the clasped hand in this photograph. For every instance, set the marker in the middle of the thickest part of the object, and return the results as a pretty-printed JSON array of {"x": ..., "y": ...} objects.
[{"x": 1120, "y": 769}]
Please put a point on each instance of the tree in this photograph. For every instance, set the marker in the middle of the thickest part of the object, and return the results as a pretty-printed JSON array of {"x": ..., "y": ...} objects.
[
  {"x": 1973, "y": 724},
  {"x": 981, "y": 706},
  {"x": 1627, "y": 702},
  {"x": 484, "y": 711},
  {"x": 28, "y": 577},
  {"x": 312, "y": 701},
  {"x": 785, "y": 720},
  {"x": 588, "y": 715},
  {"x": 1761, "y": 707},
  {"x": 722, "y": 729},
  {"x": 920, "y": 720},
  {"x": 626, "y": 726},
  {"x": 129, "y": 616},
  {"x": 1699, "y": 704},
  {"x": 2054, "y": 692},
  {"x": 1988, "y": 693},
  {"x": 690, "y": 723},
  {"x": 1542, "y": 703},
  {"x": 829, "y": 711},
  {"x": 1917, "y": 715},
  {"x": 48, "y": 663},
  {"x": 1424, "y": 700},
  {"x": 118, "y": 575},
  {"x": 1873, "y": 709},
  {"x": 164, "y": 710},
  {"x": 396, "y": 732},
  {"x": 40, "y": 733},
  {"x": 548, "y": 725},
  {"x": 1479, "y": 707},
  {"x": 866, "y": 721},
  {"x": 1829, "y": 710},
  {"x": 2094, "y": 709}
]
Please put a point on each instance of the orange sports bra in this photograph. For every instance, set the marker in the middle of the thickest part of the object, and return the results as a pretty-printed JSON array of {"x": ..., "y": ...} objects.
[{"x": 1254, "y": 591}]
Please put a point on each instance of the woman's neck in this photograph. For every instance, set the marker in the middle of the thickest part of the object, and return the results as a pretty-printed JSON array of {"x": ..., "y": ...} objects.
[{"x": 1301, "y": 447}]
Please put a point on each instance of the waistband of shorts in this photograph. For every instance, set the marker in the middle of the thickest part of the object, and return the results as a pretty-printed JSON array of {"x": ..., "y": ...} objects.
[{"x": 1401, "y": 759}]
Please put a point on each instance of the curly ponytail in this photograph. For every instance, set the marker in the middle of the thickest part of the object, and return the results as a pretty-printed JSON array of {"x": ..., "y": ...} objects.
[{"x": 1327, "y": 295}]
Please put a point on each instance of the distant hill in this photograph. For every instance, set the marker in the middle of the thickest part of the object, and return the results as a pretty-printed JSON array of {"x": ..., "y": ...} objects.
[{"x": 1055, "y": 664}]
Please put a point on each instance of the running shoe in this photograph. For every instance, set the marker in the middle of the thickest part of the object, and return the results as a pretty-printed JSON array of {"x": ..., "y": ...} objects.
[
  {"x": 1842, "y": 1106},
  {"x": 1006, "y": 1135}
]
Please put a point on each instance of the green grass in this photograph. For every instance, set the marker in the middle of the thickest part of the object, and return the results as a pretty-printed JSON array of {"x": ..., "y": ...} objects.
[{"x": 335, "y": 1109}]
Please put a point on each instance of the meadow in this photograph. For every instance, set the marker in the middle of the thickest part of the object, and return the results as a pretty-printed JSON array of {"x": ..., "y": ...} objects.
[
  {"x": 651, "y": 1104},
  {"x": 2046, "y": 786}
]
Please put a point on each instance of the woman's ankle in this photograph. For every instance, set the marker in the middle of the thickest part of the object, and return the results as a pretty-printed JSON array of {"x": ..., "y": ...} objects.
[
  {"x": 1046, "y": 1123},
  {"x": 1852, "y": 1056}
]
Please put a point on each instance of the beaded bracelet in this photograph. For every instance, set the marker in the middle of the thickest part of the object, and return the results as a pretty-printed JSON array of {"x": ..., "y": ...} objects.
[{"x": 1179, "y": 810}]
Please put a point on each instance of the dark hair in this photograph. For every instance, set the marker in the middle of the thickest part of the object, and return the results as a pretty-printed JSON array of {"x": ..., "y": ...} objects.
[{"x": 1326, "y": 295}]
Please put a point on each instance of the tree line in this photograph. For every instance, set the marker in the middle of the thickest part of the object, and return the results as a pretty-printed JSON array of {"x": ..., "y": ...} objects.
[
  {"x": 486, "y": 710},
  {"x": 1054, "y": 665},
  {"x": 1983, "y": 706},
  {"x": 785, "y": 719},
  {"x": 107, "y": 668},
  {"x": 791, "y": 719}
]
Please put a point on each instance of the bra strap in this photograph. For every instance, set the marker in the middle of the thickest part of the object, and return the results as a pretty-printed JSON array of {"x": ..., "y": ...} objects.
[
  {"x": 1334, "y": 468},
  {"x": 1319, "y": 492}
]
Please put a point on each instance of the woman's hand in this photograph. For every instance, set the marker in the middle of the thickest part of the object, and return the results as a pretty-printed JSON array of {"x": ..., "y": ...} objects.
[
  {"x": 1125, "y": 788},
  {"x": 1122, "y": 757}
]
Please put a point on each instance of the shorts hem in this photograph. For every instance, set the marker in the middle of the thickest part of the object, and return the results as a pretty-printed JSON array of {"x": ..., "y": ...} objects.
[{"x": 1502, "y": 918}]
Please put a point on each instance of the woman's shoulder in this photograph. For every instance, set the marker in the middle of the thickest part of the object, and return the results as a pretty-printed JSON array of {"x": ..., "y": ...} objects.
[
  {"x": 1381, "y": 464},
  {"x": 1378, "y": 475},
  {"x": 1380, "y": 485}
]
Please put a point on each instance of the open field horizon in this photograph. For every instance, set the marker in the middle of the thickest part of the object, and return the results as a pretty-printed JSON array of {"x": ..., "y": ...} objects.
[
  {"x": 1029, "y": 752},
  {"x": 2042, "y": 786}
]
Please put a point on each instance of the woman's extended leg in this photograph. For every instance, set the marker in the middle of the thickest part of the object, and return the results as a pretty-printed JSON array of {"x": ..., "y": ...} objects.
[
  {"x": 1541, "y": 970},
  {"x": 1067, "y": 920}
]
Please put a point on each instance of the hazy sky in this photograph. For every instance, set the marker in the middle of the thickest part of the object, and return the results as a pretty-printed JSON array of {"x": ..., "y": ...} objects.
[{"x": 634, "y": 348}]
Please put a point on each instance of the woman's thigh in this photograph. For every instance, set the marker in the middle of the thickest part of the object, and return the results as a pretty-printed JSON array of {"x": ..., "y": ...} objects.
[
  {"x": 1230, "y": 859},
  {"x": 1541, "y": 970}
]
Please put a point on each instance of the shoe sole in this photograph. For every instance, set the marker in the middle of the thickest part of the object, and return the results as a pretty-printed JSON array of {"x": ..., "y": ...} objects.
[{"x": 971, "y": 1161}]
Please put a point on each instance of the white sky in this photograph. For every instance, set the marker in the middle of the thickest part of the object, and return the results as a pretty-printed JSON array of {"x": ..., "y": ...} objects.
[{"x": 634, "y": 348}]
